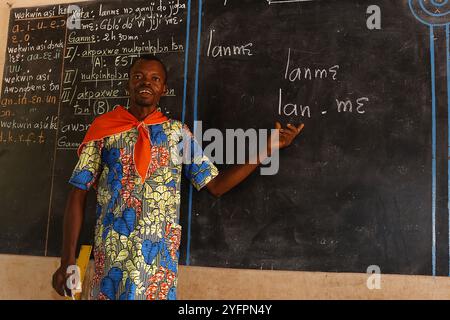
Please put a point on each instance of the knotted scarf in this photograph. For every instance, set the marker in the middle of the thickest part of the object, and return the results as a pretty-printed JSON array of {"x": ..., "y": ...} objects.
[{"x": 120, "y": 120}]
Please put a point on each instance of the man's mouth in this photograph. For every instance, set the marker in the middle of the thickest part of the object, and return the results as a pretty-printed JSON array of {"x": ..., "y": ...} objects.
[{"x": 145, "y": 92}]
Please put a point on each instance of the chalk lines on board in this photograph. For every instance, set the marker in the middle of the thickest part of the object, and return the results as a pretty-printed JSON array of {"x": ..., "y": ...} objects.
[
  {"x": 447, "y": 31},
  {"x": 195, "y": 117},
  {"x": 434, "y": 18},
  {"x": 40, "y": 18},
  {"x": 436, "y": 9},
  {"x": 428, "y": 15}
]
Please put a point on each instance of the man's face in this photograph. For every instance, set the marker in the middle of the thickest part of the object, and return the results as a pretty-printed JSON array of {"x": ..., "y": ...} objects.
[{"x": 147, "y": 83}]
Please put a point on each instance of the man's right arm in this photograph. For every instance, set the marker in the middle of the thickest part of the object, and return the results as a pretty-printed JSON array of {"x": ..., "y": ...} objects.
[{"x": 73, "y": 220}]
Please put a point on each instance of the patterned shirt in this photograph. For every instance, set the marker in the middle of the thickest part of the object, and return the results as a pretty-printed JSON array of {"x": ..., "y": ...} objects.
[{"x": 137, "y": 233}]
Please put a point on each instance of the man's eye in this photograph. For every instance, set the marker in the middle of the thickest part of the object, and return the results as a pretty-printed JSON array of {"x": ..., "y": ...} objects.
[
  {"x": 155, "y": 78},
  {"x": 137, "y": 76}
]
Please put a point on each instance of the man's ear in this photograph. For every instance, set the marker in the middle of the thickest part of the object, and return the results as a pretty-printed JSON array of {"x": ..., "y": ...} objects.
[{"x": 166, "y": 90}]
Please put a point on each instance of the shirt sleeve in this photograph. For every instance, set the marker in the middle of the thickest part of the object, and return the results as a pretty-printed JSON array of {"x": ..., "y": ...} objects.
[
  {"x": 88, "y": 168},
  {"x": 198, "y": 168}
]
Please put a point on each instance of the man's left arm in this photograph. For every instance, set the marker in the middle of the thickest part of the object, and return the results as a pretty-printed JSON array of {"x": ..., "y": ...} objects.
[{"x": 231, "y": 177}]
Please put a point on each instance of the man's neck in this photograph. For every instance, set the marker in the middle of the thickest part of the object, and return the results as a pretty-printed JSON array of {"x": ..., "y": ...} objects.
[{"x": 141, "y": 113}]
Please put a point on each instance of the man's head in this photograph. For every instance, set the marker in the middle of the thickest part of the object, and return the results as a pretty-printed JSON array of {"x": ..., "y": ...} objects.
[{"x": 147, "y": 81}]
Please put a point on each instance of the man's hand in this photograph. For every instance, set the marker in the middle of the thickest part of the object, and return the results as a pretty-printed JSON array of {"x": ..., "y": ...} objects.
[
  {"x": 73, "y": 220},
  {"x": 286, "y": 136},
  {"x": 59, "y": 281},
  {"x": 234, "y": 175}
]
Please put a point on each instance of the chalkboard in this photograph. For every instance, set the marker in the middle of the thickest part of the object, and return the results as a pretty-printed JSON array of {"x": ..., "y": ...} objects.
[
  {"x": 65, "y": 65},
  {"x": 366, "y": 183},
  {"x": 356, "y": 189}
]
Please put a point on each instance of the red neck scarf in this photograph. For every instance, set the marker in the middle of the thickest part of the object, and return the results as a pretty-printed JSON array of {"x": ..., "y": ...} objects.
[{"x": 120, "y": 120}]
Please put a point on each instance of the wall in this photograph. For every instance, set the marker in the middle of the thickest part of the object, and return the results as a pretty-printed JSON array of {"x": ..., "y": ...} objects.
[{"x": 26, "y": 277}]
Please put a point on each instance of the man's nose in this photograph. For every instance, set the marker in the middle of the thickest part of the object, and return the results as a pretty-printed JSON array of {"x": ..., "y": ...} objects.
[{"x": 146, "y": 80}]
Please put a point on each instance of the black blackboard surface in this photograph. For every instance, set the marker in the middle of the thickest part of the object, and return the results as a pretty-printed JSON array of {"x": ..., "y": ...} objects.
[
  {"x": 83, "y": 66},
  {"x": 357, "y": 188}
]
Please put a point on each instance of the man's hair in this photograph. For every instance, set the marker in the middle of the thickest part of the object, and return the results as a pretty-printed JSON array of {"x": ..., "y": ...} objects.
[{"x": 149, "y": 57}]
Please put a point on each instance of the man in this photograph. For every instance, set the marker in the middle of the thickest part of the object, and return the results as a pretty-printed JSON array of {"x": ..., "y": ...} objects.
[{"x": 126, "y": 155}]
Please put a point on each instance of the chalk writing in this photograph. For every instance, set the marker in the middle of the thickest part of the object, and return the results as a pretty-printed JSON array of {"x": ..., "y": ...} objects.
[
  {"x": 221, "y": 50},
  {"x": 26, "y": 138},
  {"x": 293, "y": 74},
  {"x": 82, "y": 72},
  {"x": 308, "y": 73}
]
